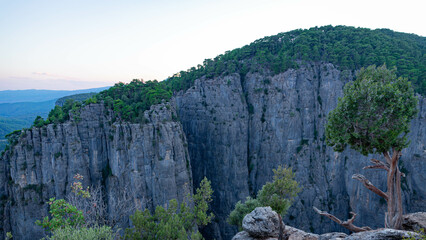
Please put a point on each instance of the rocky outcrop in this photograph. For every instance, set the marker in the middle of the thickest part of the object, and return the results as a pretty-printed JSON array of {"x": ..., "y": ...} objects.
[
  {"x": 383, "y": 234},
  {"x": 234, "y": 130},
  {"x": 262, "y": 222},
  {"x": 414, "y": 221},
  {"x": 239, "y": 128},
  {"x": 150, "y": 160},
  {"x": 332, "y": 236}
]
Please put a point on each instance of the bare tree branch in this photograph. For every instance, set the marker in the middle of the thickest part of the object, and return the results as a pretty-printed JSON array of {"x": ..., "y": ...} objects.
[
  {"x": 388, "y": 159},
  {"x": 380, "y": 165},
  {"x": 348, "y": 224},
  {"x": 370, "y": 186}
]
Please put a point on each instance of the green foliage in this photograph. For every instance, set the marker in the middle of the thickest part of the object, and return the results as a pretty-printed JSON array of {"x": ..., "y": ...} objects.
[
  {"x": 241, "y": 210},
  {"x": 129, "y": 101},
  {"x": 93, "y": 233},
  {"x": 421, "y": 233},
  {"x": 277, "y": 194},
  {"x": 347, "y": 47},
  {"x": 9, "y": 235},
  {"x": 81, "y": 97},
  {"x": 375, "y": 113},
  {"x": 174, "y": 222},
  {"x": 62, "y": 214},
  {"x": 38, "y": 122}
]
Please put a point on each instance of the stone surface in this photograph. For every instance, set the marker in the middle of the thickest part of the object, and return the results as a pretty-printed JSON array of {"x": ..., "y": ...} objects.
[
  {"x": 245, "y": 236},
  {"x": 297, "y": 234},
  {"x": 262, "y": 222},
  {"x": 150, "y": 160},
  {"x": 239, "y": 128},
  {"x": 236, "y": 129},
  {"x": 382, "y": 234},
  {"x": 414, "y": 221},
  {"x": 333, "y": 236}
]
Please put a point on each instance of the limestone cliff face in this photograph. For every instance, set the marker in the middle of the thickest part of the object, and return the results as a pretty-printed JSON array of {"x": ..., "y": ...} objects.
[
  {"x": 234, "y": 130},
  {"x": 150, "y": 160},
  {"x": 238, "y": 130}
]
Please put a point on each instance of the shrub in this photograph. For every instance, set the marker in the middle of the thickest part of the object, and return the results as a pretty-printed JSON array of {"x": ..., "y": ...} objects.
[
  {"x": 277, "y": 194},
  {"x": 62, "y": 214},
  {"x": 93, "y": 233},
  {"x": 173, "y": 221}
]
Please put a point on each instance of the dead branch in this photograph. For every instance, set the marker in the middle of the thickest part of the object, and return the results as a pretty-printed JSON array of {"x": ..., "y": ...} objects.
[
  {"x": 380, "y": 165},
  {"x": 370, "y": 186},
  {"x": 348, "y": 224}
]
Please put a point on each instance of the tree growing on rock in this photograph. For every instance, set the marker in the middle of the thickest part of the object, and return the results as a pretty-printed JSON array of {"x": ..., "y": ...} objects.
[
  {"x": 278, "y": 195},
  {"x": 374, "y": 116}
]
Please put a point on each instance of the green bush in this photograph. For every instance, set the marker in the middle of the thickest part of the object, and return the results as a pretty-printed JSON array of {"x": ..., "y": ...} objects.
[
  {"x": 63, "y": 215},
  {"x": 174, "y": 221},
  {"x": 277, "y": 194},
  {"x": 93, "y": 233},
  {"x": 241, "y": 210}
]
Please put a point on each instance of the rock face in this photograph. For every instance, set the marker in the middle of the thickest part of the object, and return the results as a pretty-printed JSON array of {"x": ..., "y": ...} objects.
[
  {"x": 239, "y": 128},
  {"x": 234, "y": 130},
  {"x": 262, "y": 222},
  {"x": 150, "y": 160},
  {"x": 382, "y": 234},
  {"x": 297, "y": 234},
  {"x": 414, "y": 221}
]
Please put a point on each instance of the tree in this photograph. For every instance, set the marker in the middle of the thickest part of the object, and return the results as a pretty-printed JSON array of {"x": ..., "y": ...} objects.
[
  {"x": 374, "y": 116},
  {"x": 278, "y": 194},
  {"x": 174, "y": 221}
]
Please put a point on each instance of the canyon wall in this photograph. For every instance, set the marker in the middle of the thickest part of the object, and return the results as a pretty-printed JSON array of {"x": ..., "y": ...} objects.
[
  {"x": 240, "y": 128},
  {"x": 150, "y": 161}
]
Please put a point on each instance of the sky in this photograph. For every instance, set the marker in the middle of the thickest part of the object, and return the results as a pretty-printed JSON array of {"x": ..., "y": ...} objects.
[{"x": 79, "y": 44}]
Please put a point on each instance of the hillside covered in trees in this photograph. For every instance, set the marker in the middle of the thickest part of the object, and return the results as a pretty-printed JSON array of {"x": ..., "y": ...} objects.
[{"x": 348, "y": 48}]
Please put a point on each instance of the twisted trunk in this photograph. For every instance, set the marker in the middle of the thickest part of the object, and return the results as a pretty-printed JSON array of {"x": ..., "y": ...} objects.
[{"x": 393, "y": 218}]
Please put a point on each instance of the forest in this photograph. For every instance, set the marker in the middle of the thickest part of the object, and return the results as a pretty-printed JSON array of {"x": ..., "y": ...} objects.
[{"x": 348, "y": 48}]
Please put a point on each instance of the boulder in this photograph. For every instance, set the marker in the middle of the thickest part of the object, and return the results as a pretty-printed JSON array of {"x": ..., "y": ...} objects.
[
  {"x": 414, "y": 221},
  {"x": 262, "y": 222}
]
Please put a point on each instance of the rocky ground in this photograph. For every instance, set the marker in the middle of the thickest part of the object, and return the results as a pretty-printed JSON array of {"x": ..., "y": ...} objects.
[{"x": 263, "y": 224}]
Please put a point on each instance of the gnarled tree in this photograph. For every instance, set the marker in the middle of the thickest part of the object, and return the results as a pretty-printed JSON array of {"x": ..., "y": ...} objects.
[{"x": 374, "y": 116}]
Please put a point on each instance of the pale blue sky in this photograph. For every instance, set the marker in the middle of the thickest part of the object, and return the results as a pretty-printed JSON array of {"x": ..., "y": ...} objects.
[{"x": 83, "y": 44}]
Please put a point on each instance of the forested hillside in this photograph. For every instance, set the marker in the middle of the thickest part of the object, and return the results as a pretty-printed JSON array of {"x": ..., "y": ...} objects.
[{"x": 348, "y": 48}]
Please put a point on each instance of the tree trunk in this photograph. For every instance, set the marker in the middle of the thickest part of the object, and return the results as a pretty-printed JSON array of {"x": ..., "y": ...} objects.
[
  {"x": 280, "y": 235},
  {"x": 393, "y": 218}
]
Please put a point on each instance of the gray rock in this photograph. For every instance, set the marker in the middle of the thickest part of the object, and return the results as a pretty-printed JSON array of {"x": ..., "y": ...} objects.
[
  {"x": 333, "y": 236},
  {"x": 297, "y": 234},
  {"x": 243, "y": 236},
  {"x": 414, "y": 221},
  {"x": 262, "y": 222},
  {"x": 150, "y": 160},
  {"x": 382, "y": 234},
  {"x": 239, "y": 128}
]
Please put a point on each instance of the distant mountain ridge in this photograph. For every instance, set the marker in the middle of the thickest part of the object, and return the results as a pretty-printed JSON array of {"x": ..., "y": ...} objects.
[
  {"x": 35, "y": 95},
  {"x": 19, "y": 108}
]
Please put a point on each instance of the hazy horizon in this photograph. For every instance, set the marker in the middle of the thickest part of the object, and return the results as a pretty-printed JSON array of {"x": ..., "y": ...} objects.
[{"x": 79, "y": 44}]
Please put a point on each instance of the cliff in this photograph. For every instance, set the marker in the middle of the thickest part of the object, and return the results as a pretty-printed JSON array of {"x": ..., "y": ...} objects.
[
  {"x": 234, "y": 129},
  {"x": 148, "y": 160},
  {"x": 239, "y": 128}
]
